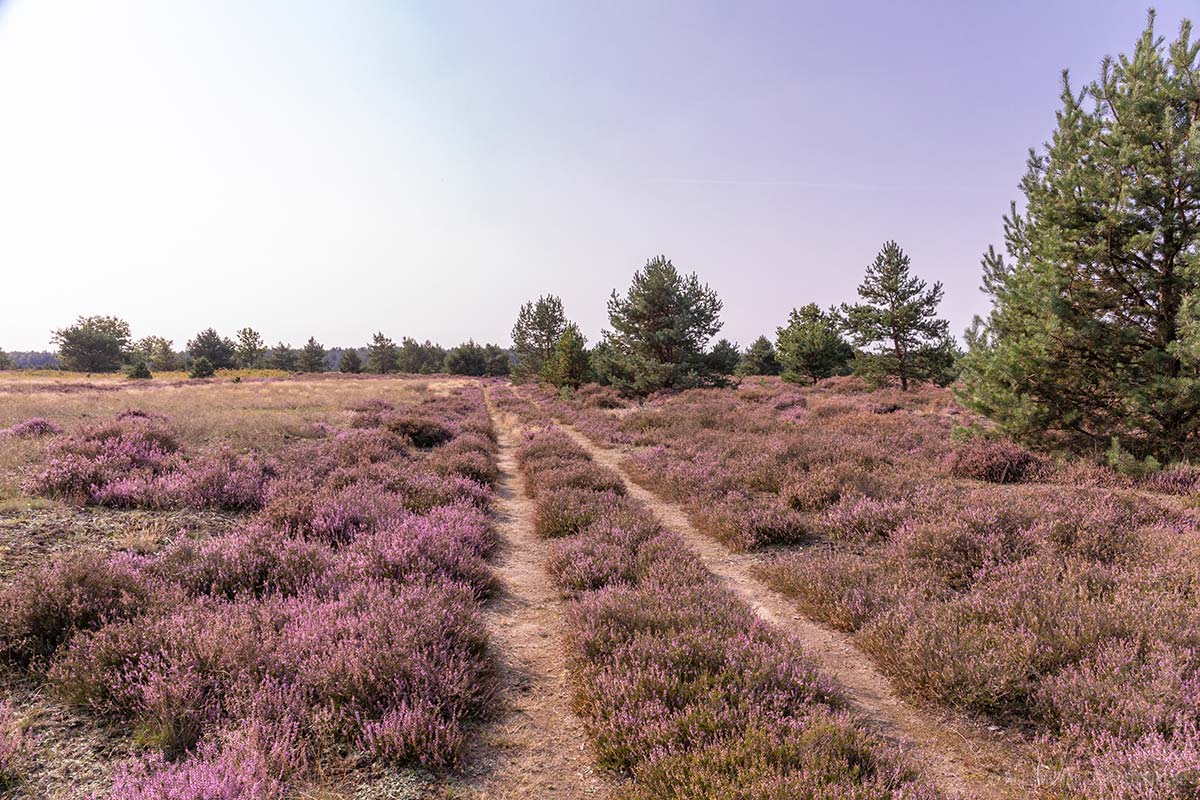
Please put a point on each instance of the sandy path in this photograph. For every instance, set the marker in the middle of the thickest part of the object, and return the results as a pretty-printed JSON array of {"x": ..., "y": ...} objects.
[
  {"x": 964, "y": 758},
  {"x": 537, "y": 747}
]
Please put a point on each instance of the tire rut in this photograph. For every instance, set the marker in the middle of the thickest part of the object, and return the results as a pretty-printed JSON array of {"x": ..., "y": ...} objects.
[{"x": 536, "y": 748}]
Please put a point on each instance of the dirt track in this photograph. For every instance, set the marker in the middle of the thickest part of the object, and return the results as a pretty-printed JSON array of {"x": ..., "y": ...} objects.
[
  {"x": 964, "y": 758},
  {"x": 537, "y": 747}
]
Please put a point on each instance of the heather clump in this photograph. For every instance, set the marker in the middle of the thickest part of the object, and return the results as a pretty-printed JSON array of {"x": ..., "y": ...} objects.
[
  {"x": 43, "y": 609},
  {"x": 996, "y": 461},
  {"x": 31, "y": 428}
]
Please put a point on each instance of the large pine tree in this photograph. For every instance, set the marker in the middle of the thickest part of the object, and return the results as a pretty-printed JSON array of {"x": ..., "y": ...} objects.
[
  {"x": 1093, "y": 331},
  {"x": 660, "y": 332},
  {"x": 895, "y": 323}
]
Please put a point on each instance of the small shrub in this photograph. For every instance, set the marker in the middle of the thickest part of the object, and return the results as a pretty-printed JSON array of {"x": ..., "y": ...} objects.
[
  {"x": 31, "y": 428},
  {"x": 996, "y": 461},
  {"x": 567, "y": 511},
  {"x": 201, "y": 368},
  {"x": 138, "y": 371}
]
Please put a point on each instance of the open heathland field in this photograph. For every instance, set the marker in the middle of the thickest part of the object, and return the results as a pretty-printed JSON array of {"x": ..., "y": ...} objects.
[{"x": 361, "y": 587}]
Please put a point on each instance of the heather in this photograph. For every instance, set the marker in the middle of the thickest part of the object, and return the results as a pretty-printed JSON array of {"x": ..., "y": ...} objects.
[
  {"x": 336, "y": 624},
  {"x": 1053, "y": 597},
  {"x": 680, "y": 685},
  {"x": 30, "y": 428}
]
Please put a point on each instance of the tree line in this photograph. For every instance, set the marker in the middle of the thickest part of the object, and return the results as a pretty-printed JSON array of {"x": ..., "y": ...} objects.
[
  {"x": 105, "y": 344},
  {"x": 662, "y": 329}
]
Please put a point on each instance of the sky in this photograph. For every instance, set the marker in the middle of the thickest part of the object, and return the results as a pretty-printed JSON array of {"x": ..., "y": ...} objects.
[{"x": 422, "y": 168}]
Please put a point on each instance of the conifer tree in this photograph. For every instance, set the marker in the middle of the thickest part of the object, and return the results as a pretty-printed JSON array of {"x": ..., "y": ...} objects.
[
  {"x": 350, "y": 364},
  {"x": 896, "y": 324},
  {"x": 660, "y": 332},
  {"x": 382, "y": 355},
  {"x": 569, "y": 365},
  {"x": 282, "y": 357},
  {"x": 312, "y": 356},
  {"x": 759, "y": 359},
  {"x": 250, "y": 352},
  {"x": 1094, "y": 330},
  {"x": 5, "y": 361},
  {"x": 723, "y": 360},
  {"x": 212, "y": 346},
  {"x": 810, "y": 347},
  {"x": 539, "y": 328}
]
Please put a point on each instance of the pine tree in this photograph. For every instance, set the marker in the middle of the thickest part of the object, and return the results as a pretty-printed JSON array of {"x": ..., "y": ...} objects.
[
  {"x": 759, "y": 359},
  {"x": 250, "y": 352},
  {"x": 1094, "y": 331},
  {"x": 282, "y": 357},
  {"x": 569, "y": 365},
  {"x": 5, "y": 361},
  {"x": 312, "y": 356},
  {"x": 810, "y": 347},
  {"x": 350, "y": 363},
  {"x": 212, "y": 346},
  {"x": 896, "y": 325},
  {"x": 539, "y": 328},
  {"x": 723, "y": 359},
  {"x": 382, "y": 355},
  {"x": 660, "y": 332}
]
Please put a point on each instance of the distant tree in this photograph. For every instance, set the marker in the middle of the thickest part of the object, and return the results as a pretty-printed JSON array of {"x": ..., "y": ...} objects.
[
  {"x": 759, "y": 359},
  {"x": 723, "y": 359},
  {"x": 414, "y": 357},
  {"x": 896, "y": 324},
  {"x": 93, "y": 344},
  {"x": 212, "y": 346},
  {"x": 569, "y": 365},
  {"x": 811, "y": 347},
  {"x": 5, "y": 361},
  {"x": 1094, "y": 330},
  {"x": 157, "y": 352},
  {"x": 312, "y": 356},
  {"x": 467, "y": 358},
  {"x": 539, "y": 329},
  {"x": 201, "y": 368},
  {"x": 497, "y": 360},
  {"x": 660, "y": 332},
  {"x": 350, "y": 362},
  {"x": 471, "y": 358},
  {"x": 137, "y": 369},
  {"x": 382, "y": 355},
  {"x": 250, "y": 351},
  {"x": 282, "y": 357}
]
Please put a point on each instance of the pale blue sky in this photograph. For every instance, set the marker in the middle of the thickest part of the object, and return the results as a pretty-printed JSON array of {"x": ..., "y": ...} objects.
[{"x": 332, "y": 169}]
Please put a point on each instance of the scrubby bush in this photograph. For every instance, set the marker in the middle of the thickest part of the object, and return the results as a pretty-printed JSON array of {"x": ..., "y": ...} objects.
[
  {"x": 996, "y": 461},
  {"x": 201, "y": 368},
  {"x": 31, "y": 428}
]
